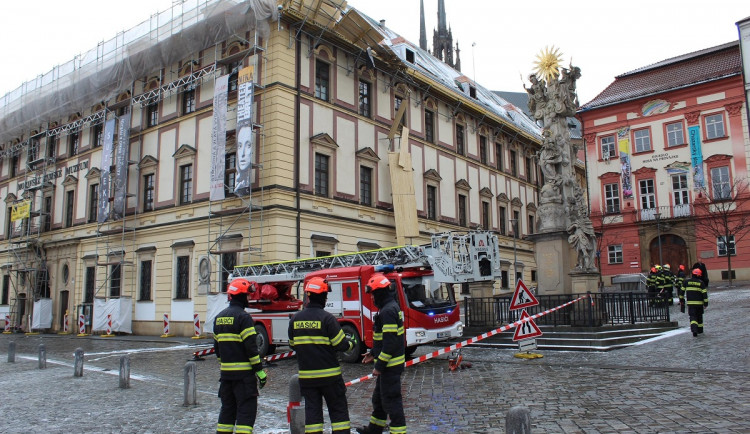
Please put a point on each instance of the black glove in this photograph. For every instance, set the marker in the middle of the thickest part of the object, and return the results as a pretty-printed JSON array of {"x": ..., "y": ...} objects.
[
  {"x": 262, "y": 378},
  {"x": 682, "y": 307}
]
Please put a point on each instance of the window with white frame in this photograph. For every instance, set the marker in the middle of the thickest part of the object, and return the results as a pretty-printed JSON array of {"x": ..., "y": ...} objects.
[
  {"x": 321, "y": 174},
  {"x": 726, "y": 245},
  {"x": 612, "y": 198},
  {"x": 615, "y": 254},
  {"x": 715, "y": 126},
  {"x": 675, "y": 135},
  {"x": 322, "y": 79},
  {"x": 608, "y": 147},
  {"x": 722, "y": 187},
  {"x": 647, "y": 193},
  {"x": 680, "y": 192},
  {"x": 642, "y": 140}
]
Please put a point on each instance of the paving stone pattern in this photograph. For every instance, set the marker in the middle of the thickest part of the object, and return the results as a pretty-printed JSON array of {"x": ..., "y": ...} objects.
[{"x": 675, "y": 383}]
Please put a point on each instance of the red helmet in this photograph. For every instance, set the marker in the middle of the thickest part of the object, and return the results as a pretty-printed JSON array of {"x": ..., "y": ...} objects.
[
  {"x": 653, "y": 269},
  {"x": 697, "y": 272},
  {"x": 377, "y": 281},
  {"x": 317, "y": 285},
  {"x": 240, "y": 286},
  {"x": 682, "y": 268}
]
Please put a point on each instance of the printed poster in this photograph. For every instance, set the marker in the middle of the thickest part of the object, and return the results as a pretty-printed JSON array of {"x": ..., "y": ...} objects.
[
  {"x": 219, "y": 138},
  {"x": 121, "y": 167},
  {"x": 104, "y": 187},
  {"x": 623, "y": 144},
  {"x": 245, "y": 134},
  {"x": 696, "y": 157}
]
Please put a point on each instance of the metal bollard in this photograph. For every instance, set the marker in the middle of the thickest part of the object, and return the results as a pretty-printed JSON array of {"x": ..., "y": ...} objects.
[
  {"x": 518, "y": 420},
  {"x": 42, "y": 357},
  {"x": 295, "y": 412},
  {"x": 124, "y": 372},
  {"x": 78, "y": 365},
  {"x": 12, "y": 352},
  {"x": 191, "y": 391}
]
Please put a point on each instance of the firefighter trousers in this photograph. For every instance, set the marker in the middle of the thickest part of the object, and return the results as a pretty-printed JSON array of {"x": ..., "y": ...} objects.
[
  {"x": 695, "y": 311},
  {"x": 338, "y": 409},
  {"x": 239, "y": 405},
  {"x": 387, "y": 402}
]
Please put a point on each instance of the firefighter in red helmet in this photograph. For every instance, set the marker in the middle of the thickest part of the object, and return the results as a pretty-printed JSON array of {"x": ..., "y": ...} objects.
[
  {"x": 316, "y": 336},
  {"x": 679, "y": 281},
  {"x": 696, "y": 298},
  {"x": 237, "y": 350},
  {"x": 388, "y": 354}
]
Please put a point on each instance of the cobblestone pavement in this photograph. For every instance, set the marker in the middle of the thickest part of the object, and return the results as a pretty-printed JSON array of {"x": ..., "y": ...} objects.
[{"x": 671, "y": 384}]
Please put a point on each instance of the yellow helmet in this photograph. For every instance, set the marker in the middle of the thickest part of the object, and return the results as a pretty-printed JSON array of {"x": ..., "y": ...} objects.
[
  {"x": 658, "y": 267},
  {"x": 666, "y": 267}
]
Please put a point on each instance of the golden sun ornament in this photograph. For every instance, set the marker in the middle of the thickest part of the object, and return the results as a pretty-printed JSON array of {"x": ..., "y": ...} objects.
[{"x": 548, "y": 63}]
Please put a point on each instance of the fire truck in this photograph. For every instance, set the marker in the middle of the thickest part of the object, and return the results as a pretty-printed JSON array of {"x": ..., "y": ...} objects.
[{"x": 423, "y": 279}]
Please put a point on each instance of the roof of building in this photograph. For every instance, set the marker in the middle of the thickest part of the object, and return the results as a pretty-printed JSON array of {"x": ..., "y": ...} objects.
[
  {"x": 521, "y": 101},
  {"x": 701, "y": 66}
]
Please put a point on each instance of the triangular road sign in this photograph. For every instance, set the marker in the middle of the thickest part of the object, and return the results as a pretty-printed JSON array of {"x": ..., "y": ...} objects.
[
  {"x": 522, "y": 297},
  {"x": 529, "y": 329}
]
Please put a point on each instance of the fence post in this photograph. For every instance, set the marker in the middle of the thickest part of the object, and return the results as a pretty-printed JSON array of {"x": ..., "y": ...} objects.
[
  {"x": 295, "y": 414},
  {"x": 42, "y": 356},
  {"x": 12, "y": 352},
  {"x": 590, "y": 310},
  {"x": 518, "y": 420},
  {"x": 190, "y": 391},
  {"x": 632, "y": 307},
  {"x": 125, "y": 372},
  {"x": 78, "y": 365}
]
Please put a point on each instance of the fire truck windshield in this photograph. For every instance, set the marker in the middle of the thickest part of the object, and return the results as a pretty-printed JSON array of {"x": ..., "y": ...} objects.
[{"x": 424, "y": 293}]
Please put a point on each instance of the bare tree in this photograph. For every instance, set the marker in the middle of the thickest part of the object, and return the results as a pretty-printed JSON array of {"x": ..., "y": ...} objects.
[{"x": 723, "y": 216}]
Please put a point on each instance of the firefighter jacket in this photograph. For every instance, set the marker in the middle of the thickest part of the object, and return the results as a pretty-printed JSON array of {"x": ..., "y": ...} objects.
[
  {"x": 235, "y": 343},
  {"x": 651, "y": 281},
  {"x": 666, "y": 281},
  {"x": 696, "y": 293},
  {"x": 316, "y": 336},
  {"x": 388, "y": 338},
  {"x": 679, "y": 281}
]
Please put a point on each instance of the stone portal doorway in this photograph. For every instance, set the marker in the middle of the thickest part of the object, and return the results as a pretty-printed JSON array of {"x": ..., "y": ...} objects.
[{"x": 673, "y": 252}]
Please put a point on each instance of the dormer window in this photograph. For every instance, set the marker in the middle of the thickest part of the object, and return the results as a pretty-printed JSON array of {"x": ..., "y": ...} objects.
[
  {"x": 473, "y": 92},
  {"x": 409, "y": 56}
]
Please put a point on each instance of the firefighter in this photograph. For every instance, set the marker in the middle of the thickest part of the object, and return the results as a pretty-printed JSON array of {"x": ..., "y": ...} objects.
[
  {"x": 667, "y": 286},
  {"x": 651, "y": 285},
  {"x": 696, "y": 297},
  {"x": 316, "y": 336},
  {"x": 679, "y": 280},
  {"x": 388, "y": 353},
  {"x": 237, "y": 350},
  {"x": 704, "y": 272}
]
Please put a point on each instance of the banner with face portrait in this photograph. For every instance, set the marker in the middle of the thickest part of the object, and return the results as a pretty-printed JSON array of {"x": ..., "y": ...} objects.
[
  {"x": 121, "y": 167},
  {"x": 245, "y": 136},
  {"x": 219, "y": 138},
  {"x": 104, "y": 187}
]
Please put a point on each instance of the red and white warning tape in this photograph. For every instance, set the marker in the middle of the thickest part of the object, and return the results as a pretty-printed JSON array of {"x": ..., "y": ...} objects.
[
  {"x": 454, "y": 347},
  {"x": 269, "y": 358}
]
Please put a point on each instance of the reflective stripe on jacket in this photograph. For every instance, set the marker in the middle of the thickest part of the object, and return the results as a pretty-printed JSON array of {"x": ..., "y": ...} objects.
[
  {"x": 388, "y": 337},
  {"x": 235, "y": 343}
]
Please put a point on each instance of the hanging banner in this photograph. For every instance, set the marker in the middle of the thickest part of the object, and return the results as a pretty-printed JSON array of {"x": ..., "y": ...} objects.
[
  {"x": 104, "y": 188},
  {"x": 245, "y": 136},
  {"x": 121, "y": 167},
  {"x": 219, "y": 138},
  {"x": 696, "y": 157},
  {"x": 20, "y": 210},
  {"x": 623, "y": 144}
]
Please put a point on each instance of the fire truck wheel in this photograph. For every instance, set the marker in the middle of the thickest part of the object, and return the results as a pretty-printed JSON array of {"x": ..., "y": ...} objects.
[
  {"x": 355, "y": 354},
  {"x": 409, "y": 352},
  {"x": 262, "y": 339}
]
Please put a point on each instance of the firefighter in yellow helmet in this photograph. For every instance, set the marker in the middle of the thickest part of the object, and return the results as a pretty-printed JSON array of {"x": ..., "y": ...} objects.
[
  {"x": 316, "y": 336},
  {"x": 237, "y": 350},
  {"x": 388, "y": 353}
]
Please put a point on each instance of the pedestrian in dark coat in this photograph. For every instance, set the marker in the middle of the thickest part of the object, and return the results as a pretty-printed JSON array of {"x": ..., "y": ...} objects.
[{"x": 704, "y": 273}]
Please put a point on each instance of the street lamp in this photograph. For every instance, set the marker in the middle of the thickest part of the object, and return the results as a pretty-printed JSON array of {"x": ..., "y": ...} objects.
[
  {"x": 658, "y": 234},
  {"x": 514, "y": 222}
]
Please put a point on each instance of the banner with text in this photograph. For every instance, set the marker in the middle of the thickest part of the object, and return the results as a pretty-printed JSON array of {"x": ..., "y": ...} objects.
[
  {"x": 104, "y": 178},
  {"x": 219, "y": 138},
  {"x": 623, "y": 143},
  {"x": 20, "y": 210},
  {"x": 121, "y": 167},
  {"x": 245, "y": 135},
  {"x": 696, "y": 157}
]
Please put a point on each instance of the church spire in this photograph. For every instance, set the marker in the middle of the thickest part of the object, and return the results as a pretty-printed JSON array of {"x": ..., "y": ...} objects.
[
  {"x": 441, "y": 16},
  {"x": 442, "y": 40},
  {"x": 422, "y": 29}
]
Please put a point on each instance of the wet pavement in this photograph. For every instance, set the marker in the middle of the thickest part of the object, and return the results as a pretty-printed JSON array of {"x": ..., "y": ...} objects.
[{"x": 675, "y": 383}]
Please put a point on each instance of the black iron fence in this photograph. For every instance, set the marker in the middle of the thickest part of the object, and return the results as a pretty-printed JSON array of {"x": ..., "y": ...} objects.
[{"x": 601, "y": 309}]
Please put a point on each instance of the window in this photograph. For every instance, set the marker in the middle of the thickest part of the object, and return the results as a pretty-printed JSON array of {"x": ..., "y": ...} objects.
[
  {"x": 504, "y": 280},
  {"x": 90, "y": 285},
  {"x": 93, "y": 202},
  {"x": 233, "y": 69},
  {"x": 230, "y": 172},
  {"x": 486, "y": 215},
  {"x": 483, "y": 149},
  {"x": 13, "y": 165},
  {"x": 322, "y": 79},
  {"x": 365, "y": 185},
  {"x": 528, "y": 169},
  {"x": 186, "y": 184},
  {"x": 726, "y": 245},
  {"x": 32, "y": 152},
  {"x": 432, "y": 202},
  {"x": 502, "y": 214},
  {"x": 714, "y": 126},
  {"x": 73, "y": 142},
  {"x": 615, "y": 254},
  {"x": 608, "y": 147},
  {"x": 531, "y": 224},
  {"x": 47, "y": 214},
  {"x": 612, "y": 198},
  {"x": 188, "y": 100},
  {"x": 499, "y": 156},
  {"x": 144, "y": 290},
  {"x": 513, "y": 164},
  {"x": 680, "y": 189},
  {"x": 148, "y": 192},
  {"x": 152, "y": 115},
  {"x": 648, "y": 196},
  {"x": 642, "y": 140},
  {"x": 429, "y": 126},
  {"x": 115, "y": 280},
  {"x": 183, "y": 275},
  {"x": 6, "y": 289},
  {"x": 533, "y": 275},
  {"x": 321, "y": 174},
  {"x": 98, "y": 134},
  {"x": 228, "y": 261},
  {"x": 51, "y": 146},
  {"x": 461, "y": 210},
  {"x": 364, "y": 98},
  {"x": 722, "y": 187},
  {"x": 516, "y": 222},
  {"x": 396, "y": 104},
  {"x": 69, "y": 195},
  {"x": 675, "y": 135},
  {"x": 460, "y": 149}
]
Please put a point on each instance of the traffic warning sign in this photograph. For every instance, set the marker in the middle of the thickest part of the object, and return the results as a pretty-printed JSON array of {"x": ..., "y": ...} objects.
[
  {"x": 528, "y": 329},
  {"x": 522, "y": 297}
]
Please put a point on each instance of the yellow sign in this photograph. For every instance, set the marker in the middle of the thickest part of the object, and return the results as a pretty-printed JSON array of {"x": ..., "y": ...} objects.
[{"x": 21, "y": 210}]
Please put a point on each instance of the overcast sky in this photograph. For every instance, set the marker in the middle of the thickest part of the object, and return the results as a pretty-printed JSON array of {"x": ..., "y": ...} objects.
[{"x": 603, "y": 38}]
